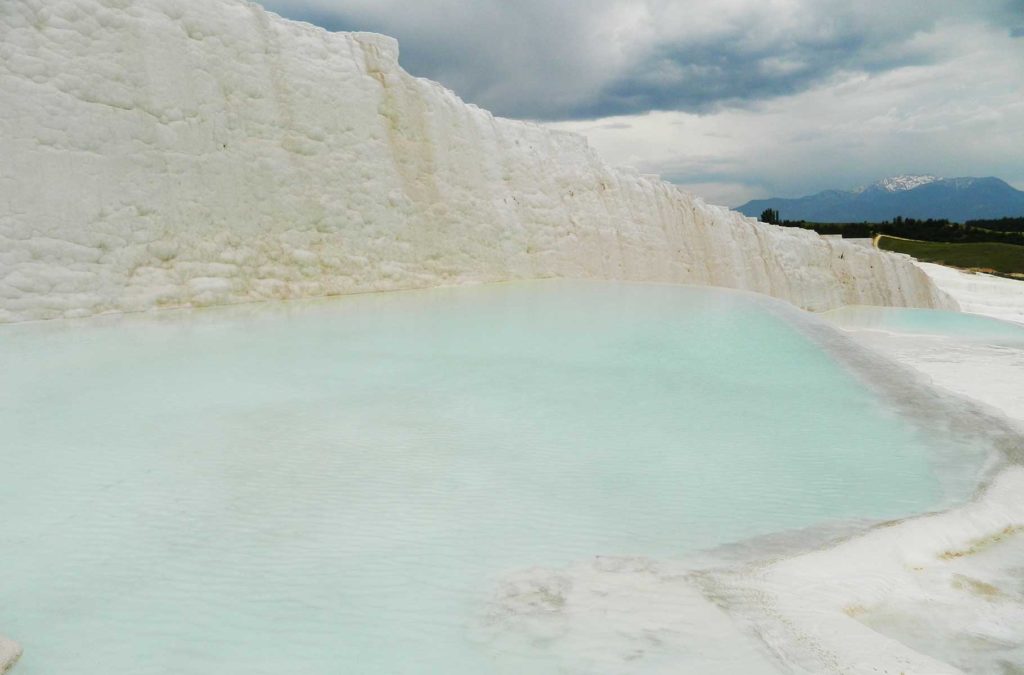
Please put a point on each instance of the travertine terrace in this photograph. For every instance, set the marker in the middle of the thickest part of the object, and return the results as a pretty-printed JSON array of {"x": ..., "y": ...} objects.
[{"x": 164, "y": 153}]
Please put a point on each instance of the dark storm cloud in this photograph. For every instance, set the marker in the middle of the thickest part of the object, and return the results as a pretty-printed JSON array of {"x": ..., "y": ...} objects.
[{"x": 699, "y": 78}]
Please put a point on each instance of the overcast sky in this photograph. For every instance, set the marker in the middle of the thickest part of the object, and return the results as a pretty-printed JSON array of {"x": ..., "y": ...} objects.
[{"x": 733, "y": 99}]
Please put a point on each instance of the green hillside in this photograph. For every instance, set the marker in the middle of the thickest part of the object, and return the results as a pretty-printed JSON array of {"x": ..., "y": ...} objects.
[{"x": 1007, "y": 259}]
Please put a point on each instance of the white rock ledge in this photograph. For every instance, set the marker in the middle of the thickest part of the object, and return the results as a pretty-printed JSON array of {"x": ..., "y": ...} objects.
[
  {"x": 978, "y": 293},
  {"x": 160, "y": 153}
]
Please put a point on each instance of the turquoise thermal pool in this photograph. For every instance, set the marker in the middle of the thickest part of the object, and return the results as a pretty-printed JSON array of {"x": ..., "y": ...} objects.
[
  {"x": 929, "y": 322},
  {"x": 338, "y": 486}
]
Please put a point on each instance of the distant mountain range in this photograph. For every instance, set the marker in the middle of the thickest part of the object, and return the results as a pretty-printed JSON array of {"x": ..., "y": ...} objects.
[{"x": 955, "y": 199}]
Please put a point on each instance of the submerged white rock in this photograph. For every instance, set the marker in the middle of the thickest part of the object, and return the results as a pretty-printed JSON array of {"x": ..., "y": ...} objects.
[
  {"x": 174, "y": 152},
  {"x": 10, "y": 652},
  {"x": 937, "y": 593}
]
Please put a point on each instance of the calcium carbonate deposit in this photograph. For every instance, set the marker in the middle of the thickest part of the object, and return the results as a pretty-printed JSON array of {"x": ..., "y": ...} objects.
[
  {"x": 559, "y": 476},
  {"x": 169, "y": 153}
]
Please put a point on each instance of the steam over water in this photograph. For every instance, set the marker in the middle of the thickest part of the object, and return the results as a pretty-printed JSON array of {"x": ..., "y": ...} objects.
[{"x": 341, "y": 486}]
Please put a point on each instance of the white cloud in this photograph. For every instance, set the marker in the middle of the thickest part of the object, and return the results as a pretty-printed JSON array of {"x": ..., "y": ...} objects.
[{"x": 961, "y": 116}]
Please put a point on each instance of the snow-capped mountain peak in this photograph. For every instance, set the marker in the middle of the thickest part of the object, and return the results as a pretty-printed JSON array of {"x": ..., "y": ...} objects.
[
  {"x": 956, "y": 199},
  {"x": 903, "y": 183}
]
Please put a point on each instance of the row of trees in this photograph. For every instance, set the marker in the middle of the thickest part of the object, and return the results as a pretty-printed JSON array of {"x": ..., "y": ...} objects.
[
  {"x": 1000, "y": 225},
  {"x": 771, "y": 216},
  {"x": 1006, "y": 230}
]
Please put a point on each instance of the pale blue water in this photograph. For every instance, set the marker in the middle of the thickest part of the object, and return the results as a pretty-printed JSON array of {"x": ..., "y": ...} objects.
[
  {"x": 335, "y": 487},
  {"x": 958, "y": 325}
]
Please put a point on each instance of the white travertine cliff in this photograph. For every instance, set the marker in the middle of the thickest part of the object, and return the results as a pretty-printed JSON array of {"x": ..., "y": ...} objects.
[{"x": 196, "y": 152}]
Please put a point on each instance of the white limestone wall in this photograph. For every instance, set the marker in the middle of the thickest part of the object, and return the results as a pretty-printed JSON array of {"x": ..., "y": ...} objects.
[
  {"x": 979, "y": 293},
  {"x": 193, "y": 152}
]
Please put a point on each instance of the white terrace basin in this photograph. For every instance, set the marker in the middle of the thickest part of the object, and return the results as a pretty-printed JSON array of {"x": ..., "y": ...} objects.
[{"x": 340, "y": 486}]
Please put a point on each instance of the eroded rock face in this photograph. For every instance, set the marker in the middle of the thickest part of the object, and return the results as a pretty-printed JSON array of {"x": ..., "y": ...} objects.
[{"x": 178, "y": 152}]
